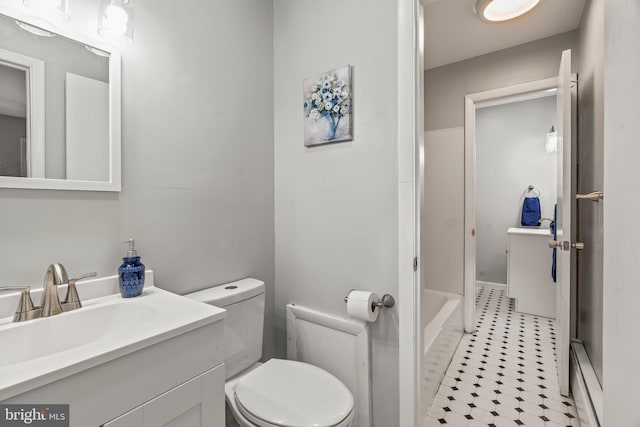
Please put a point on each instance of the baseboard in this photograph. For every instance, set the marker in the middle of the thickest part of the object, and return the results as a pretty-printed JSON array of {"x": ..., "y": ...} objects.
[
  {"x": 491, "y": 284},
  {"x": 587, "y": 392}
]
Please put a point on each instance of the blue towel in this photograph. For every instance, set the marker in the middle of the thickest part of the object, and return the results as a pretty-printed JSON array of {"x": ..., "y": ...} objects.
[
  {"x": 552, "y": 226},
  {"x": 531, "y": 212}
]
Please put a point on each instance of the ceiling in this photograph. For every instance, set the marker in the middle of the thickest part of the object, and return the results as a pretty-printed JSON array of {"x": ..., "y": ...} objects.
[{"x": 453, "y": 32}]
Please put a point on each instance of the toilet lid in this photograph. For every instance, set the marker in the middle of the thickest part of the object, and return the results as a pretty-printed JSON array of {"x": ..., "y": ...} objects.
[{"x": 293, "y": 394}]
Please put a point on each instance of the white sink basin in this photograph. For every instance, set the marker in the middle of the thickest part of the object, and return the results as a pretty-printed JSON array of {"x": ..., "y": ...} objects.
[
  {"x": 43, "y": 337},
  {"x": 37, "y": 352}
]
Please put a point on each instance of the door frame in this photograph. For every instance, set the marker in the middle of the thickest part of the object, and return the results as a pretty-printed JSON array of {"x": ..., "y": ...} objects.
[
  {"x": 469, "y": 255},
  {"x": 410, "y": 144}
]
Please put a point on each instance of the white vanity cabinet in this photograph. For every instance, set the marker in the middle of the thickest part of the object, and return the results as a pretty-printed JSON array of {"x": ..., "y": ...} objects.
[
  {"x": 176, "y": 382},
  {"x": 196, "y": 403},
  {"x": 529, "y": 271},
  {"x": 154, "y": 360}
]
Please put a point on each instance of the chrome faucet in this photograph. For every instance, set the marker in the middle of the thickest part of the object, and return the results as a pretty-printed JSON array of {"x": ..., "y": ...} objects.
[
  {"x": 51, "y": 305},
  {"x": 57, "y": 275}
]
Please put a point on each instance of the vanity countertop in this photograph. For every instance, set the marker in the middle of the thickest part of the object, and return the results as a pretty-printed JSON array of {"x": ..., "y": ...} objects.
[
  {"x": 40, "y": 351},
  {"x": 530, "y": 231}
]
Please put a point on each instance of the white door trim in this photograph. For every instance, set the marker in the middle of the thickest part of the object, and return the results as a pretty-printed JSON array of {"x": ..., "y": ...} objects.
[
  {"x": 470, "y": 183},
  {"x": 35, "y": 80},
  {"x": 410, "y": 133}
]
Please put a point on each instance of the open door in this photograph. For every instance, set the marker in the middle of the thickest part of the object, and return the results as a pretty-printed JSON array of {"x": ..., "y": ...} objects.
[{"x": 563, "y": 243}]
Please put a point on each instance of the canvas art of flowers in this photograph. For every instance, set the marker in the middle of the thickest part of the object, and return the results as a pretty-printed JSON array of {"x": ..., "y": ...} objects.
[{"x": 327, "y": 107}]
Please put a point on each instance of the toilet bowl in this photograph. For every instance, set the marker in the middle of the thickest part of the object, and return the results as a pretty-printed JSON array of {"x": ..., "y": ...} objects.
[
  {"x": 287, "y": 393},
  {"x": 277, "y": 393}
]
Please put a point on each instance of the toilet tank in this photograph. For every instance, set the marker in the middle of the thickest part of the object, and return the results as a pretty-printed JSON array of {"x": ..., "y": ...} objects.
[{"x": 243, "y": 325}]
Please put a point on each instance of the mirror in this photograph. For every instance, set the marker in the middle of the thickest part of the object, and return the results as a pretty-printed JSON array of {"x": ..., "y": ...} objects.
[{"x": 59, "y": 108}]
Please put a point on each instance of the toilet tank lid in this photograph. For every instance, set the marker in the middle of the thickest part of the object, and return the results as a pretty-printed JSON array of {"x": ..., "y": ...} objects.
[{"x": 229, "y": 293}]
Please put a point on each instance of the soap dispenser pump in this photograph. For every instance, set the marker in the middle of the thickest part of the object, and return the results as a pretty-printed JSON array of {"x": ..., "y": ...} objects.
[{"x": 131, "y": 272}]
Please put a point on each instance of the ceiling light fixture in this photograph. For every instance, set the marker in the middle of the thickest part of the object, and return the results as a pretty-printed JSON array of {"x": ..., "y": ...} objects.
[{"x": 503, "y": 10}]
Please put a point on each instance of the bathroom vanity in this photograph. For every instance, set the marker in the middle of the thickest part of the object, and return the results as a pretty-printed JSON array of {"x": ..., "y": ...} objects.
[
  {"x": 529, "y": 271},
  {"x": 153, "y": 360}
]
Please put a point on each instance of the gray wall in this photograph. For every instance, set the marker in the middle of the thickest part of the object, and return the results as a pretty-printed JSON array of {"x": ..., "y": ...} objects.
[
  {"x": 590, "y": 178},
  {"x": 11, "y": 130},
  {"x": 621, "y": 267},
  {"x": 60, "y": 56},
  {"x": 445, "y": 89},
  {"x": 336, "y": 205},
  {"x": 510, "y": 154},
  {"x": 13, "y": 96},
  {"x": 446, "y": 86},
  {"x": 197, "y": 160}
]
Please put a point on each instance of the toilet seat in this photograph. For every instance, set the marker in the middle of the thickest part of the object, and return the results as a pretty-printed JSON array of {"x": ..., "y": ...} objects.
[{"x": 286, "y": 393}]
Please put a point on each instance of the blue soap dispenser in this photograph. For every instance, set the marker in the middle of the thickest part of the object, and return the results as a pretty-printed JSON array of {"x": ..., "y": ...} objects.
[{"x": 131, "y": 272}]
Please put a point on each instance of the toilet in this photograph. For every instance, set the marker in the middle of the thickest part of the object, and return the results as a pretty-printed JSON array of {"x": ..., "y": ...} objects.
[{"x": 276, "y": 393}]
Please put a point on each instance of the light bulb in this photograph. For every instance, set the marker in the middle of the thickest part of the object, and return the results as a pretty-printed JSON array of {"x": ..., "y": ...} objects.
[{"x": 116, "y": 21}]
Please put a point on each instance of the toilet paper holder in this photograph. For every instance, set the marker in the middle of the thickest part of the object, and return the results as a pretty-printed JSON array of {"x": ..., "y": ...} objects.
[{"x": 387, "y": 301}]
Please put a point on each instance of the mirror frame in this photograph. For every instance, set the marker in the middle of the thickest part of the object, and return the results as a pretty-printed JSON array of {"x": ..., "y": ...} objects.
[{"x": 115, "y": 126}]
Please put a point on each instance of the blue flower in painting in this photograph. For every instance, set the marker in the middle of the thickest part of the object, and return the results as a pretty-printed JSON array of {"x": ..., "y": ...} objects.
[{"x": 328, "y": 99}]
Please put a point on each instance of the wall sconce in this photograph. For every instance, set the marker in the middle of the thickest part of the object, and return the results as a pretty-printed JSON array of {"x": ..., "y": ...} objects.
[
  {"x": 551, "y": 145},
  {"x": 53, "y": 10},
  {"x": 116, "y": 21}
]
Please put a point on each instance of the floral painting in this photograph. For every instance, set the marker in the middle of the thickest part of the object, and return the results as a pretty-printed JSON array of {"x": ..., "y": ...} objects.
[{"x": 327, "y": 107}]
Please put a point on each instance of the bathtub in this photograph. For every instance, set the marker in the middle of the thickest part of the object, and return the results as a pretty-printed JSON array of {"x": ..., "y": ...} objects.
[{"x": 444, "y": 327}]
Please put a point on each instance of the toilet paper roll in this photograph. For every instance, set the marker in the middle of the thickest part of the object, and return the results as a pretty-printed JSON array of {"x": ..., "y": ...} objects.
[{"x": 360, "y": 305}]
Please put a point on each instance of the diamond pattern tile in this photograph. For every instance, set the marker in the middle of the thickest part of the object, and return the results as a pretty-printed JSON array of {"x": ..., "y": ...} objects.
[{"x": 504, "y": 374}]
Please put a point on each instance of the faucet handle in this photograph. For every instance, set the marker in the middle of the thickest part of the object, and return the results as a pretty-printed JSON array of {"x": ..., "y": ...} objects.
[
  {"x": 25, "y": 310},
  {"x": 82, "y": 277},
  {"x": 72, "y": 300}
]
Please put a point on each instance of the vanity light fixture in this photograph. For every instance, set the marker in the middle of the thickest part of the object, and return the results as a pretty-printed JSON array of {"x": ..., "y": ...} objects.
[
  {"x": 503, "y": 10},
  {"x": 551, "y": 145},
  {"x": 53, "y": 10},
  {"x": 115, "y": 23}
]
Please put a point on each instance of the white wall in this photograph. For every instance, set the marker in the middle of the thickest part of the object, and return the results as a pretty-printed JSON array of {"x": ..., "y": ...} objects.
[
  {"x": 12, "y": 129},
  {"x": 13, "y": 96},
  {"x": 621, "y": 317},
  {"x": 445, "y": 88},
  {"x": 336, "y": 206},
  {"x": 197, "y": 102},
  {"x": 510, "y": 155}
]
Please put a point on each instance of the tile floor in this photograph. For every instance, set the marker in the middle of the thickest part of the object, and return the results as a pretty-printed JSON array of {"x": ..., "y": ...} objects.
[{"x": 504, "y": 374}]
